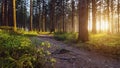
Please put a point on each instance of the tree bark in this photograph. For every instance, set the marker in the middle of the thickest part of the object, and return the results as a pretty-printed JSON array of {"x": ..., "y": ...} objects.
[
  {"x": 112, "y": 30},
  {"x": 14, "y": 15},
  {"x": 3, "y": 12},
  {"x": 83, "y": 22},
  {"x": 108, "y": 15},
  {"x": 31, "y": 15},
  {"x": 118, "y": 14},
  {"x": 94, "y": 16},
  {"x": 63, "y": 23},
  {"x": 73, "y": 9}
]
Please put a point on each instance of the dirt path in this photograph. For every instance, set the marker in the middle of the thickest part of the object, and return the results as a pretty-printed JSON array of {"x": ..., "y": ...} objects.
[{"x": 76, "y": 58}]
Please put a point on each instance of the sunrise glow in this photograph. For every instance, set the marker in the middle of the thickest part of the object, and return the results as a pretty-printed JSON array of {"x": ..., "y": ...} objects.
[{"x": 100, "y": 26}]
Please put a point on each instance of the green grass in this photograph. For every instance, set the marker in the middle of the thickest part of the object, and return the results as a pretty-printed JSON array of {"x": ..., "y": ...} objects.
[
  {"x": 27, "y": 33},
  {"x": 105, "y": 39},
  {"x": 106, "y": 44}
]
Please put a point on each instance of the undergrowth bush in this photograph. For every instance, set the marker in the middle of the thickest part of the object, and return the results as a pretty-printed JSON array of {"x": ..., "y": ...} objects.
[
  {"x": 63, "y": 36},
  {"x": 17, "y": 51}
]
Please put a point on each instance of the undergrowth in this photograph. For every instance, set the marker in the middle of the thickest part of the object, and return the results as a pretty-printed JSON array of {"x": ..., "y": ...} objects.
[
  {"x": 109, "y": 45},
  {"x": 67, "y": 37},
  {"x": 18, "y": 51}
]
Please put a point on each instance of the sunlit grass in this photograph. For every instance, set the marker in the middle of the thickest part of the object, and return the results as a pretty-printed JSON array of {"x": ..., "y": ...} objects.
[
  {"x": 107, "y": 44},
  {"x": 46, "y": 33},
  {"x": 105, "y": 39}
]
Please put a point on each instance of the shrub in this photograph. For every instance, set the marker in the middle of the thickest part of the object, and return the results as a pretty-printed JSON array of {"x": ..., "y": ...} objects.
[
  {"x": 18, "y": 52},
  {"x": 62, "y": 36}
]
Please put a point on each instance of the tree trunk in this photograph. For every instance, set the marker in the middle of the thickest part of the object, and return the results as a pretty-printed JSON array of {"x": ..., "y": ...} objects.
[
  {"x": 63, "y": 23},
  {"x": 14, "y": 14},
  {"x": 100, "y": 17},
  {"x": 52, "y": 15},
  {"x": 3, "y": 12},
  {"x": 108, "y": 15},
  {"x": 112, "y": 30},
  {"x": 83, "y": 22},
  {"x": 43, "y": 15},
  {"x": 39, "y": 19},
  {"x": 73, "y": 9},
  {"x": 10, "y": 13},
  {"x": 31, "y": 15},
  {"x": 118, "y": 14},
  {"x": 94, "y": 16}
]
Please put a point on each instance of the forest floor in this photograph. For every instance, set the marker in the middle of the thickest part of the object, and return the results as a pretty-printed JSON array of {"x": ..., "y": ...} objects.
[{"x": 68, "y": 56}]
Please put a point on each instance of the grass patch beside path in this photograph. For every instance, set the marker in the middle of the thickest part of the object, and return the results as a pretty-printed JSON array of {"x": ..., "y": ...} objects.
[{"x": 106, "y": 44}]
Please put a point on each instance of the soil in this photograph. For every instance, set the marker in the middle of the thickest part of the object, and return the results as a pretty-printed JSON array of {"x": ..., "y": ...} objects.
[{"x": 70, "y": 57}]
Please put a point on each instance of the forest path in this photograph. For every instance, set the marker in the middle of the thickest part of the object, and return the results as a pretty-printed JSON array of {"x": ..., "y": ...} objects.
[{"x": 70, "y": 57}]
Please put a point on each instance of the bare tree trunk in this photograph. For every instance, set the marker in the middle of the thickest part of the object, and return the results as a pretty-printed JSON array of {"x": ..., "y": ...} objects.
[
  {"x": 83, "y": 22},
  {"x": 39, "y": 19},
  {"x": 63, "y": 23},
  {"x": 31, "y": 15},
  {"x": 52, "y": 15},
  {"x": 6, "y": 13},
  {"x": 43, "y": 13},
  {"x": 10, "y": 13},
  {"x": 94, "y": 16},
  {"x": 73, "y": 9},
  {"x": 108, "y": 15},
  {"x": 100, "y": 29},
  {"x": 118, "y": 14},
  {"x": 24, "y": 15},
  {"x": 112, "y": 30},
  {"x": 3, "y": 12},
  {"x": 14, "y": 15}
]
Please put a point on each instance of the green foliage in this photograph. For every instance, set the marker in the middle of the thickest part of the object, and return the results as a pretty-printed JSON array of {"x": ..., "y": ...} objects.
[
  {"x": 16, "y": 41},
  {"x": 17, "y": 51},
  {"x": 27, "y": 33},
  {"x": 6, "y": 28},
  {"x": 62, "y": 36},
  {"x": 44, "y": 33}
]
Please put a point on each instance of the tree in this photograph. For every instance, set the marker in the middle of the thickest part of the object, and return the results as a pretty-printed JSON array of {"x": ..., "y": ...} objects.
[
  {"x": 94, "y": 16},
  {"x": 39, "y": 14},
  {"x": 108, "y": 15},
  {"x": 43, "y": 15},
  {"x": 14, "y": 14},
  {"x": 83, "y": 21},
  {"x": 73, "y": 11},
  {"x": 63, "y": 15},
  {"x": 52, "y": 15},
  {"x": 3, "y": 11},
  {"x": 112, "y": 30},
  {"x": 118, "y": 7},
  {"x": 31, "y": 15}
]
